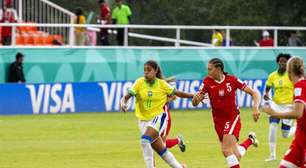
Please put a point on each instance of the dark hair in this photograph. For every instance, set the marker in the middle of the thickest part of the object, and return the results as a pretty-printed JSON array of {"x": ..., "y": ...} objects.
[
  {"x": 217, "y": 63},
  {"x": 281, "y": 55},
  {"x": 19, "y": 55},
  {"x": 155, "y": 66},
  {"x": 78, "y": 12},
  {"x": 101, "y": 1},
  {"x": 296, "y": 66}
]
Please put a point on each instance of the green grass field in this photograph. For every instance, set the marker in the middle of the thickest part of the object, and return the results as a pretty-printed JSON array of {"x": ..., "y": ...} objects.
[{"x": 111, "y": 140}]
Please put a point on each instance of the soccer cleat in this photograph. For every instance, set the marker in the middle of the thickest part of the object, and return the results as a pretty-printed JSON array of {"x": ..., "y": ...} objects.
[
  {"x": 252, "y": 136},
  {"x": 271, "y": 158},
  {"x": 181, "y": 143}
]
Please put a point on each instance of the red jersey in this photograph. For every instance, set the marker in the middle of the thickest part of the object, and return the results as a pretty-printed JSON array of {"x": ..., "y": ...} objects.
[
  {"x": 105, "y": 13},
  {"x": 300, "y": 96},
  {"x": 266, "y": 42},
  {"x": 222, "y": 95},
  {"x": 8, "y": 16}
]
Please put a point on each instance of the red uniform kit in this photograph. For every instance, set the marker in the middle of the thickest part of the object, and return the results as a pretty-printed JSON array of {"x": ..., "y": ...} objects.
[
  {"x": 222, "y": 95},
  {"x": 297, "y": 153}
]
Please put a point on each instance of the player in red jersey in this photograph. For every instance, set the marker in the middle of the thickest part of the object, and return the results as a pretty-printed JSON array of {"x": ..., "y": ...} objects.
[
  {"x": 221, "y": 89},
  {"x": 296, "y": 155}
]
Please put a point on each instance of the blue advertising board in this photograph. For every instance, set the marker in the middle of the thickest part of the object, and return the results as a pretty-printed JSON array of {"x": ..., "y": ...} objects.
[{"x": 54, "y": 98}]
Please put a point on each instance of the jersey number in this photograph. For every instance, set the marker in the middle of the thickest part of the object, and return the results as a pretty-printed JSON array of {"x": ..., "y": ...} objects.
[{"x": 228, "y": 87}]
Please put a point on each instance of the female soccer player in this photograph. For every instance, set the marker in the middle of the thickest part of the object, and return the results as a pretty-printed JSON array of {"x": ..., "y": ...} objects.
[
  {"x": 296, "y": 156},
  {"x": 282, "y": 101},
  {"x": 221, "y": 89},
  {"x": 151, "y": 94}
]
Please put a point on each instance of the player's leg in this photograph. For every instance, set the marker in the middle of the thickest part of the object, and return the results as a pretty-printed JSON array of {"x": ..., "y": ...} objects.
[
  {"x": 152, "y": 137},
  {"x": 243, "y": 147},
  {"x": 171, "y": 142},
  {"x": 228, "y": 146},
  {"x": 272, "y": 137},
  {"x": 146, "y": 147},
  {"x": 288, "y": 127}
]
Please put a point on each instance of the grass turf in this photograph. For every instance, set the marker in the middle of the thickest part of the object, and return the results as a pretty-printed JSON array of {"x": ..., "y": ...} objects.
[{"x": 105, "y": 140}]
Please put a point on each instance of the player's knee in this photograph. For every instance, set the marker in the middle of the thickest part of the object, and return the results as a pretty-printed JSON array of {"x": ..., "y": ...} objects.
[
  {"x": 286, "y": 131},
  {"x": 146, "y": 140},
  {"x": 226, "y": 151}
]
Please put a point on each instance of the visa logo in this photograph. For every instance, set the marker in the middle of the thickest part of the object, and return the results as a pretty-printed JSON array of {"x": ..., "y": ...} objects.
[{"x": 55, "y": 98}]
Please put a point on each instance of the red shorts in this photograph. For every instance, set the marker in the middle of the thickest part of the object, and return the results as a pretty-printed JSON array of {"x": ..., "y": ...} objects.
[
  {"x": 228, "y": 127},
  {"x": 295, "y": 155}
]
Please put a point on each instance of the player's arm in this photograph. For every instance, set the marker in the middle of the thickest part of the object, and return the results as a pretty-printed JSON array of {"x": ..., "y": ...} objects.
[
  {"x": 256, "y": 100},
  {"x": 197, "y": 98},
  {"x": 266, "y": 95},
  {"x": 296, "y": 113},
  {"x": 123, "y": 102},
  {"x": 183, "y": 94}
]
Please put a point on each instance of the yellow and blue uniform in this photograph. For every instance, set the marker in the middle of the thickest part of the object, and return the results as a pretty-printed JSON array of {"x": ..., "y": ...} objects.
[
  {"x": 150, "y": 98},
  {"x": 283, "y": 88}
]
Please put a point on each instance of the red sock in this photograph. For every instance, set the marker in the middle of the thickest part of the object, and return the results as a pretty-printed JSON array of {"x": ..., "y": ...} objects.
[
  {"x": 236, "y": 166},
  {"x": 246, "y": 143},
  {"x": 171, "y": 142}
]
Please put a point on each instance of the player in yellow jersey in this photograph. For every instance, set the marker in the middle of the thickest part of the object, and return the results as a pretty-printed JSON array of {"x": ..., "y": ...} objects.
[
  {"x": 151, "y": 93},
  {"x": 282, "y": 101}
]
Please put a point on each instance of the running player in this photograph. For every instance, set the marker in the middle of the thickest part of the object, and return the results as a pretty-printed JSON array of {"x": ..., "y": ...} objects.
[
  {"x": 151, "y": 94},
  {"x": 221, "y": 89},
  {"x": 282, "y": 101},
  {"x": 296, "y": 156}
]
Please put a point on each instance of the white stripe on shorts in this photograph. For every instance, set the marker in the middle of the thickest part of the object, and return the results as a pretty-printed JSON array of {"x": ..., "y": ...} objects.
[{"x": 234, "y": 125}]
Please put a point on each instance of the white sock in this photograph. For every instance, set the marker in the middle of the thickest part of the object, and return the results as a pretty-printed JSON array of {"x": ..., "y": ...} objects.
[
  {"x": 292, "y": 130},
  {"x": 272, "y": 138},
  {"x": 241, "y": 150},
  {"x": 170, "y": 159},
  {"x": 147, "y": 154},
  {"x": 232, "y": 160}
]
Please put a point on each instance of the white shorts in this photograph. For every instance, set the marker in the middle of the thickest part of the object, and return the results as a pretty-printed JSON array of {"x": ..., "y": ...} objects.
[
  {"x": 283, "y": 108},
  {"x": 159, "y": 123}
]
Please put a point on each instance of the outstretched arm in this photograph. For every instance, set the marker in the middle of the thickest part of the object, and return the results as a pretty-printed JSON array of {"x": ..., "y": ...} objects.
[
  {"x": 183, "y": 94},
  {"x": 197, "y": 98},
  {"x": 123, "y": 101},
  {"x": 256, "y": 100},
  {"x": 296, "y": 113}
]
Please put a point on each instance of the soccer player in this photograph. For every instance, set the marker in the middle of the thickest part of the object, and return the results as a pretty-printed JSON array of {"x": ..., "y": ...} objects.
[
  {"x": 221, "y": 89},
  {"x": 296, "y": 156},
  {"x": 282, "y": 101},
  {"x": 151, "y": 94}
]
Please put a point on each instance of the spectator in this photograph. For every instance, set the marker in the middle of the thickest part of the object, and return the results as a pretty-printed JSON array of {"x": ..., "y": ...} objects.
[
  {"x": 216, "y": 39},
  {"x": 16, "y": 70},
  {"x": 121, "y": 15},
  {"x": 226, "y": 40},
  {"x": 294, "y": 40},
  {"x": 80, "y": 32},
  {"x": 7, "y": 15},
  {"x": 105, "y": 18},
  {"x": 266, "y": 40}
]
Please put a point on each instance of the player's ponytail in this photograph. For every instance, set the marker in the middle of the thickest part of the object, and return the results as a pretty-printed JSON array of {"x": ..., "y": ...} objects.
[
  {"x": 295, "y": 65},
  {"x": 217, "y": 63}
]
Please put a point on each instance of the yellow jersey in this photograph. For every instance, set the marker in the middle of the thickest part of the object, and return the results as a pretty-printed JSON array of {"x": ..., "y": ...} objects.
[
  {"x": 81, "y": 21},
  {"x": 283, "y": 87},
  {"x": 216, "y": 39},
  {"x": 150, "y": 98}
]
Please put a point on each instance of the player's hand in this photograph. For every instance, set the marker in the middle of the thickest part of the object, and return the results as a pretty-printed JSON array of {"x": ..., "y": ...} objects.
[
  {"x": 256, "y": 114},
  {"x": 123, "y": 105},
  {"x": 266, "y": 97},
  {"x": 197, "y": 98}
]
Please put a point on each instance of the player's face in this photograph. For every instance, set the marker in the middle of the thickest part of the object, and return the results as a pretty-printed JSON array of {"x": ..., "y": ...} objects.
[
  {"x": 282, "y": 63},
  {"x": 149, "y": 72},
  {"x": 213, "y": 72}
]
